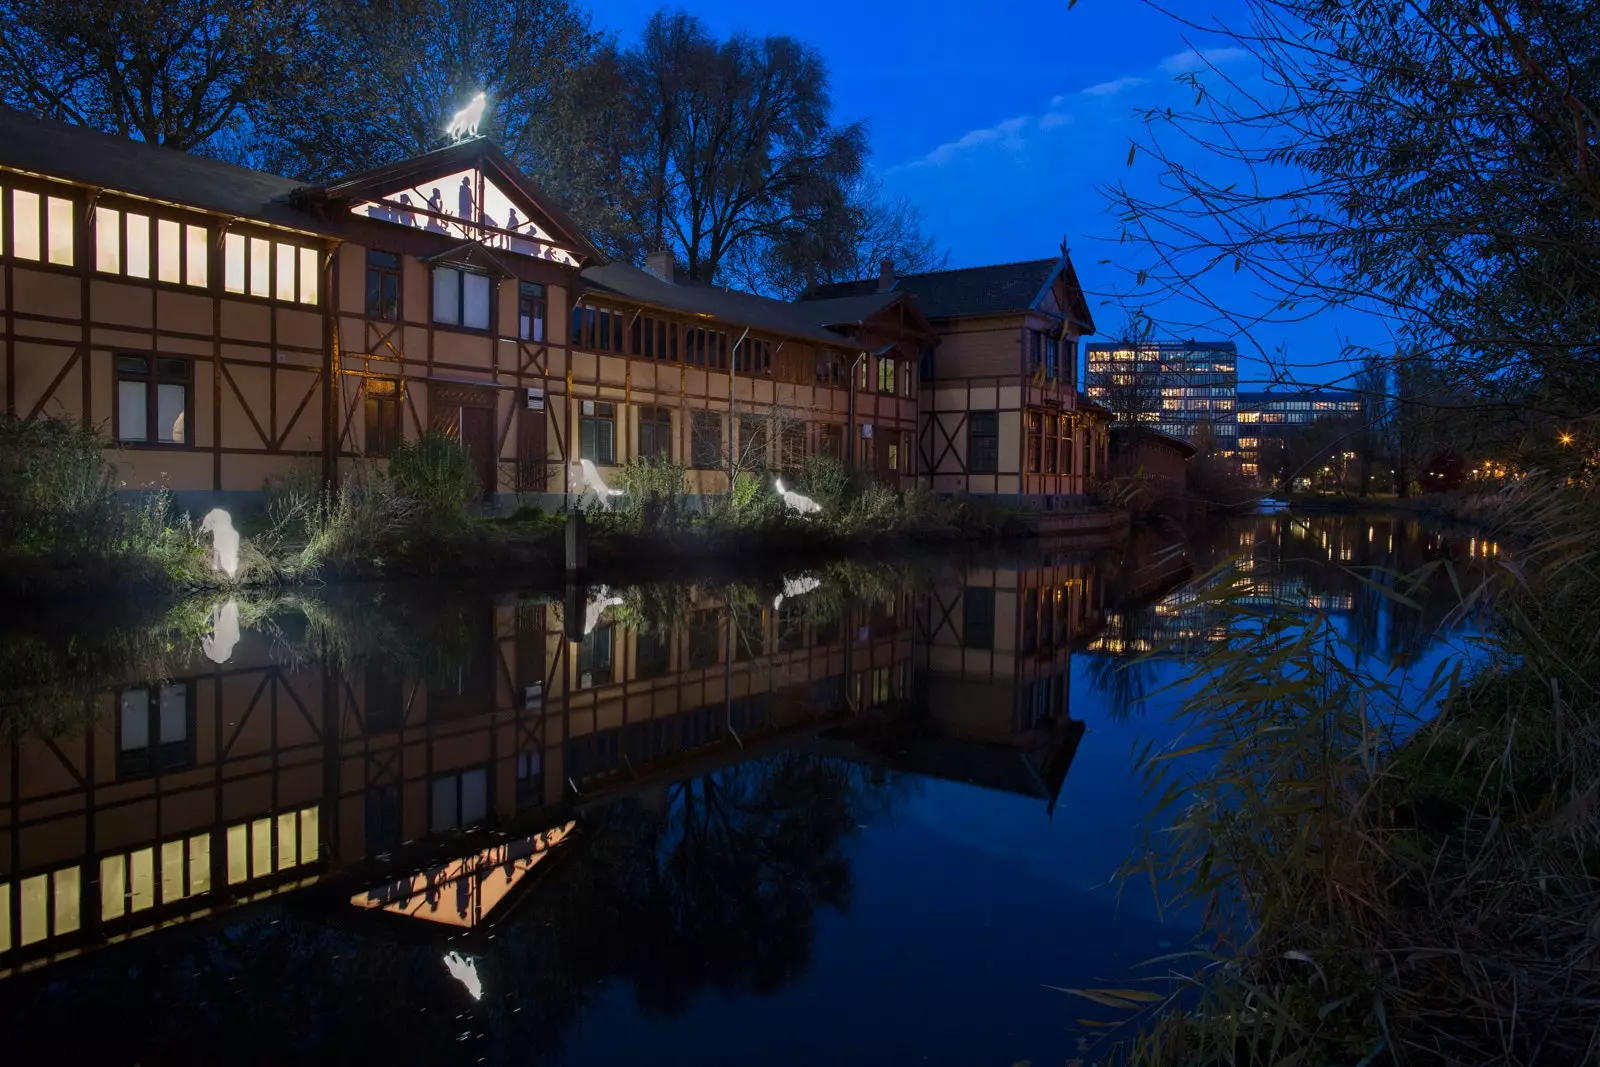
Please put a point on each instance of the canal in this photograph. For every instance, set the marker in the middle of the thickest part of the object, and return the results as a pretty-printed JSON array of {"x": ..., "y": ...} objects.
[{"x": 865, "y": 814}]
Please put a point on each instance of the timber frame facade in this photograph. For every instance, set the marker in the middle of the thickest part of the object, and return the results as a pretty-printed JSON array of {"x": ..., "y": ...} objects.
[
  {"x": 227, "y": 328},
  {"x": 1001, "y": 414}
]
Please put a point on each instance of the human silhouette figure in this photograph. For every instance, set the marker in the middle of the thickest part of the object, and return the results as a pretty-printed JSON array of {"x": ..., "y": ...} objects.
[
  {"x": 464, "y": 195},
  {"x": 436, "y": 205},
  {"x": 406, "y": 217}
]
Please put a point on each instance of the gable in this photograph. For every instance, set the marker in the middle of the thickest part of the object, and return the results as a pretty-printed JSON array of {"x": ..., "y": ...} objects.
[{"x": 469, "y": 192}]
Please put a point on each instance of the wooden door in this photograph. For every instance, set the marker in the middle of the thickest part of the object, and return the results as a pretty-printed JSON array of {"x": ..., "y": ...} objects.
[
  {"x": 477, "y": 436},
  {"x": 533, "y": 466}
]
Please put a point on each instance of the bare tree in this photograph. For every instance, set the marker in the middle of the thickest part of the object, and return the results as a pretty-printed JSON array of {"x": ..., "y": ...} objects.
[
  {"x": 1433, "y": 166},
  {"x": 180, "y": 73}
]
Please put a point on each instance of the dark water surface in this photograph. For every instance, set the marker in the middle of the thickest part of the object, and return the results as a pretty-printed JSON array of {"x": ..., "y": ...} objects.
[{"x": 868, "y": 822}]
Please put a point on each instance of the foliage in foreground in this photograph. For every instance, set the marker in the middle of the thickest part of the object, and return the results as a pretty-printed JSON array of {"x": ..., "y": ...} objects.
[{"x": 1378, "y": 888}]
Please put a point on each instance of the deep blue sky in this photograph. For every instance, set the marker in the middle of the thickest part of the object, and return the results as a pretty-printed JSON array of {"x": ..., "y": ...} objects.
[{"x": 1001, "y": 119}]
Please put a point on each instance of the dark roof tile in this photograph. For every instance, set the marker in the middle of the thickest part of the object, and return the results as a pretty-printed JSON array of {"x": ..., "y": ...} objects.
[{"x": 997, "y": 289}]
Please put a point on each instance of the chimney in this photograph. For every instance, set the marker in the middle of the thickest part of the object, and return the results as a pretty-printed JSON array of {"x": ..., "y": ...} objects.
[
  {"x": 661, "y": 264},
  {"x": 885, "y": 275}
]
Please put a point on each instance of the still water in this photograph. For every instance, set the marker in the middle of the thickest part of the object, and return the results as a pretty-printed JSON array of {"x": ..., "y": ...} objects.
[{"x": 865, "y": 815}]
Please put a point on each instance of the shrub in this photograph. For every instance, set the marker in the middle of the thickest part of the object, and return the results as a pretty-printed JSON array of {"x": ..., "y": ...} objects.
[
  {"x": 436, "y": 472},
  {"x": 755, "y": 504},
  {"x": 829, "y": 482},
  {"x": 654, "y": 500}
]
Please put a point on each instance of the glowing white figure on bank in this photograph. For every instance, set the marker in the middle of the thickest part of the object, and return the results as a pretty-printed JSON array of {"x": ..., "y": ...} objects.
[
  {"x": 597, "y": 607},
  {"x": 224, "y": 541},
  {"x": 464, "y": 969},
  {"x": 465, "y": 123},
  {"x": 795, "y": 587},
  {"x": 218, "y": 645},
  {"x": 586, "y": 481},
  {"x": 803, "y": 504}
]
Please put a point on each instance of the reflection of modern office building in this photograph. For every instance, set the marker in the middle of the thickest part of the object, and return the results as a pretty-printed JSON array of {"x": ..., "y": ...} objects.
[
  {"x": 1267, "y": 420},
  {"x": 1175, "y": 386}
]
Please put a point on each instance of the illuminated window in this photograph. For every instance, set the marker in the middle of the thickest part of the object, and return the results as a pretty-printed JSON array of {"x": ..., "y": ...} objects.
[
  {"x": 195, "y": 256},
  {"x": 129, "y": 881},
  {"x": 169, "y": 251},
  {"x": 260, "y": 267},
  {"x": 262, "y": 846},
  {"x": 152, "y": 399},
  {"x": 256, "y": 266},
  {"x": 24, "y": 224},
  {"x": 108, "y": 240},
  {"x": 886, "y": 376},
  {"x": 48, "y": 907},
  {"x": 308, "y": 275}
]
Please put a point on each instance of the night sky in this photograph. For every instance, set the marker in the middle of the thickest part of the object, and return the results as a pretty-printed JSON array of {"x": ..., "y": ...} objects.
[{"x": 1001, "y": 120}]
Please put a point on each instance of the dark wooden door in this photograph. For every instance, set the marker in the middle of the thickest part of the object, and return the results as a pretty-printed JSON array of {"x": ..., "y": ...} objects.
[
  {"x": 533, "y": 468},
  {"x": 477, "y": 436}
]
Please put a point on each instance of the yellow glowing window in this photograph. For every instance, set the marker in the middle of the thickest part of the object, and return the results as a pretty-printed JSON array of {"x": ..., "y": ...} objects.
[
  {"x": 238, "y": 854},
  {"x": 308, "y": 275},
  {"x": 24, "y": 232},
  {"x": 260, "y": 848},
  {"x": 308, "y": 835},
  {"x": 194, "y": 268},
  {"x": 169, "y": 251},
  {"x": 138, "y": 246},
  {"x": 5, "y": 917},
  {"x": 141, "y": 879},
  {"x": 60, "y": 219},
  {"x": 171, "y": 871},
  {"x": 260, "y": 266},
  {"x": 286, "y": 262},
  {"x": 108, "y": 240},
  {"x": 233, "y": 263},
  {"x": 113, "y": 887}
]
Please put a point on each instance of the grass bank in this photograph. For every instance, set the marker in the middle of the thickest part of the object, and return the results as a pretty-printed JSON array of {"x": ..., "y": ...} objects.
[
  {"x": 67, "y": 530},
  {"x": 1383, "y": 884}
]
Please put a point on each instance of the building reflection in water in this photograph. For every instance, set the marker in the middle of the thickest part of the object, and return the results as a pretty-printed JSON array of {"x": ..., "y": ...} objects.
[{"x": 433, "y": 774}]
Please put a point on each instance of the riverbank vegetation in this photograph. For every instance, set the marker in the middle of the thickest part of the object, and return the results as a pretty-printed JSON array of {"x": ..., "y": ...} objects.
[
  {"x": 1399, "y": 874},
  {"x": 68, "y": 527}
]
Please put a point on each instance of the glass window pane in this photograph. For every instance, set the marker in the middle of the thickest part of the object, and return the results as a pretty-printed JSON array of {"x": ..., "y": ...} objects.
[
  {"x": 5, "y": 917},
  {"x": 308, "y": 275},
  {"x": 233, "y": 263},
  {"x": 141, "y": 879},
  {"x": 288, "y": 844},
  {"x": 174, "y": 709},
  {"x": 24, "y": 227},
  {"x": 260, "y": 266},
  {"x": 170, "y": 413},
  {"x": 113, "y": 887},
  {"x": 35, "y": 911},
  {"x": 474, "y": 796},
  {"x": 446, "y": 295},
  {"x": 260, "y": 848},
  {"x": 108, "y": 240},
  {"x": 286, "y": 261},
  {"x": 444, "y": 804},
  {"x": 169, "y": 251},
  {"x": 171, "y": 871},
  {"x": 238, "y": 854},
  {"x": 135, "y": 720},
  {"x": 60, "y": 212},
  {"x": 200, "y": 863},
  {"x": 138, "y": 246},
  {"x": 194, "y": 269},
  {"x": 68, "y": 886},
  {"x": 308, "y": 835},
  {"x": 475, "y": 301}
]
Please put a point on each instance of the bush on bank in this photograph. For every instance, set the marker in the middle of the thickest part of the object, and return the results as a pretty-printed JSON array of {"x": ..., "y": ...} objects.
[{"x": 1380, "y": 886}]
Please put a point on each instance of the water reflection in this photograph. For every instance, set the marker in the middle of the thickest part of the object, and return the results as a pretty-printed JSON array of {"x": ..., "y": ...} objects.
[{"x": 679, "y": 794}]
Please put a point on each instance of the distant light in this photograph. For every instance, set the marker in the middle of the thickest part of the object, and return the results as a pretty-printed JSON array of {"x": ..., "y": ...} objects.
[{"x": 1566, "y": 438}]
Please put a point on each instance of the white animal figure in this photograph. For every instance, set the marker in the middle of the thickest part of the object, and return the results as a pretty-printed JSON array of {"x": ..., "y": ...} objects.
[
  {"x": 803, "y": 504},
  {"x": 224, "y": 541},
  {"x": 586, "y": 481},
  {"x": 465, "y": 124},
  {"x": 597, "y": 607},
  {"x": 464, "y": 969},
  {"x": 795, "y": 587},
  {"x": 218, "y": 647}
]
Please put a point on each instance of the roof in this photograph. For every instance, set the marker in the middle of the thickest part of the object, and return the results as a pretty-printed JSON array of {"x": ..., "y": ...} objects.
[
  {"x": 964, "y": 292},
  {"x": 1177, "y": 444},
  {"x": 52, "y": 148},
  {"x": 1270, "y": 396},
  {"x": 811, "y": 318}
]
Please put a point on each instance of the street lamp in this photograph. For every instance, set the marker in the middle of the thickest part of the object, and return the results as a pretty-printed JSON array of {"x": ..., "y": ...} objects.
[{"x": 1566, "y": 438}]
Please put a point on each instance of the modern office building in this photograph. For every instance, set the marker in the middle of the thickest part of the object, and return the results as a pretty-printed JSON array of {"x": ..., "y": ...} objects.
[
  {"x": 1268, "y": 419},
  {"x": 1176, "y": 387}
]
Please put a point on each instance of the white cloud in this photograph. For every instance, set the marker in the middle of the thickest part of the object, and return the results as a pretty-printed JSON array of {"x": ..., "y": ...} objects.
[
  {"x": 1052, "y": 119},
  {"x": 1113, "y": 87},
  {"x": 1189, "y": 60},
  {"x": 1008, "y": 132}
]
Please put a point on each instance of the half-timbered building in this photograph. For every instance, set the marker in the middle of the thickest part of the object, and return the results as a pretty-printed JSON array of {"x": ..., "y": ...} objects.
[
  {"x": 1001, "y": 415},
  {"x": 225, "y": 326}
]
